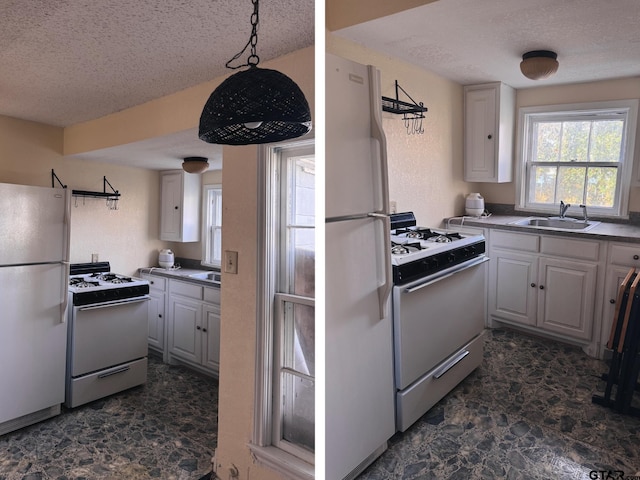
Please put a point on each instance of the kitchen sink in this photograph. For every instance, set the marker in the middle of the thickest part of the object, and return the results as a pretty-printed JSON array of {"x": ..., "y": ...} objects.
[
  {"x": 557, "y": 223},
  {"x": 206, "y": 276}
]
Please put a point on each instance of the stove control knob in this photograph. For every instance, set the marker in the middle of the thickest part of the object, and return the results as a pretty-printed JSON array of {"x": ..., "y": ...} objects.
[{"x": 451, "y": 257}]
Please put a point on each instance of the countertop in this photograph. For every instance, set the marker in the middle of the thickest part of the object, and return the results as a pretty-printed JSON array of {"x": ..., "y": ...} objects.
[
  {"x": 605, "y": 231},
  {"x": 184, "y": 274}
]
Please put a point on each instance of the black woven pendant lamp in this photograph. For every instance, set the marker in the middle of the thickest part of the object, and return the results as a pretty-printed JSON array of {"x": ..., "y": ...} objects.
[{"x": 256, "y": 105}]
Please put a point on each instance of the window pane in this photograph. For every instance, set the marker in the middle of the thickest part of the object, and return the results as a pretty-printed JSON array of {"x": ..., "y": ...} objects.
[
  {"x": 216, "y": 248},
  {"x": 298, "y": 425},
  {"x": 302, "y": 208},
  {"x": 575, "y": 141},
  {"x": 601, "y": 187},
  {"x": 543, "y": 185},
  {"x": 571, "y": 184},
  {"x": 303, "y": 261},
  {"x": 606, "y": 141},
  {"x": 299, "y": 325},
  {"x": 298, "y": 413},
  {"x": 548, "y": 142}
]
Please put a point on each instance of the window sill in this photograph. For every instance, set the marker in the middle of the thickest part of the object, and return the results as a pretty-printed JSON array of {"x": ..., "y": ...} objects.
[{"x": 283, "y": 462}]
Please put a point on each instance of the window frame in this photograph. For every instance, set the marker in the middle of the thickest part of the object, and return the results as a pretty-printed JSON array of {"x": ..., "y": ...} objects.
[
  {"x": 290, "y": 462},
  {"x": 207, "y": 226},
  {"x": 527, "y": 116}
]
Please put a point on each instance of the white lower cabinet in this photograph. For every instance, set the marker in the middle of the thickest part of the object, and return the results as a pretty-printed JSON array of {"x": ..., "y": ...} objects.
[
  {"x": 194, "y": 325},
  {"x": 157, "y": 309},
  {"x": 547, "y": 283},
  {"x": 156, "y": 321}
]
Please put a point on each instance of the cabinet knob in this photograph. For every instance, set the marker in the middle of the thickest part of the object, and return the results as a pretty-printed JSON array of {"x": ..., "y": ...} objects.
[
  {"x": 533, "y": 285},
  {"x": 541, "y": 287},
  {"x": 198, "y": 327},
  {"x": 159, "y": 316},
  {"x": 176, "y": 207},
  {"x": 489, "y": 136},
  {"x": 204, "y": 330},
  {"x": 636, "y": 257},
  {"x": 612, "y": 300}
]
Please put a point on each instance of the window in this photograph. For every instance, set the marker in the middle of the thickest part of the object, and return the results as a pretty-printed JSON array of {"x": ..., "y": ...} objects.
[
  {"x": 579, "y": 154},
  {"x": 212, "y": 226},
  {"x": 285, "y": 417}
]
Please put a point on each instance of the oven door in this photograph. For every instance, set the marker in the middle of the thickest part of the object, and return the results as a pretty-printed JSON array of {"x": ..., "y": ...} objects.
[
  {"x": 103, "y": 335},
  {"x": 433, "y": 317}
]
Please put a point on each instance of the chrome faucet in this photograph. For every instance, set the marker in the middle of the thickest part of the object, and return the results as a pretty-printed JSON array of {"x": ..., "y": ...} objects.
[
  {"x": 563, "y": 208},
  {"x": 584, "y": 210}
]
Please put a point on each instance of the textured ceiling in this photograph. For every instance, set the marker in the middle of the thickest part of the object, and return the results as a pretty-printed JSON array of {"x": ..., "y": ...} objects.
[
  {"x": 69, "y": 61},
  {"x": 472, "y": 41}
]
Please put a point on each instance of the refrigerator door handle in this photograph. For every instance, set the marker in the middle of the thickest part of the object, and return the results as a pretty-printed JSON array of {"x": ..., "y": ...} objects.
[
  {"x": 65, "y": 292},
  {"x": 384, "y": 290},
  {"x": 377, "y": 132}
]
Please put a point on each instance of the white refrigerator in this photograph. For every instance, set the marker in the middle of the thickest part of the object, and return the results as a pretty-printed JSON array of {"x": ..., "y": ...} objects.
[
  {"x": 34, "y": 277},
  {"x": 358, "y": 343}
]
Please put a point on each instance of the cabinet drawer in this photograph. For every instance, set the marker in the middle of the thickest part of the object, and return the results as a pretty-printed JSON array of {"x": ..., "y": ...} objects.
[
  {"x": 155, "y": 283},
  {"x": 212, "y": 295},
  {"x": 570, "y": 248},
  {"x": 627, "y": 255},
  {"x": 186, "y": 289},
  {"x": 515, "y": 241}
]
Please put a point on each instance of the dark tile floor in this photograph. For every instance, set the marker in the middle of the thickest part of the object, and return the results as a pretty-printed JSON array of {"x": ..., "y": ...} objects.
[
  {"x": 526, "y": 413},
  {"x": 165, "y": 429}
]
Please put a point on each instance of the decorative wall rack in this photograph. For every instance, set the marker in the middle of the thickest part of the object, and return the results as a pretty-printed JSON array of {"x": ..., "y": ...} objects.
[
  {"x": 111, "y": 197},
  {"x": 412, "y": 112}
]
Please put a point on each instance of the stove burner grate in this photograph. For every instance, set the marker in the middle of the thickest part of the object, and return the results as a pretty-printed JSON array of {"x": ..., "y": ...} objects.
[
  {"x": 404, "y": 248},
  {"x": 82, "y": 283},
  {"x": 111, "y": 278}
]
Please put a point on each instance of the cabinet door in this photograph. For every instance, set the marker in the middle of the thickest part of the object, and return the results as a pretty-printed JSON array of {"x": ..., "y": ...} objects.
[
  {"x": 171, "y": 205},
  {"x": 566, "y": 297},
  {"x": 512, "y": 286},
  {"x": 480, "y": 135},
  {"x": 185, "y": 329},
  {"x": 211, "y": 337},
  {"x": 156, "y": 321}
]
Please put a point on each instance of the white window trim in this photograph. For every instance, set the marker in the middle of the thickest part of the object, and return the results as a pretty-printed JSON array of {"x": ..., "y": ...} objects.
[
  {"x": 205, "y": 216},
  {"x": 261, "y": 443},
  {"x": 628, "y": 146}
]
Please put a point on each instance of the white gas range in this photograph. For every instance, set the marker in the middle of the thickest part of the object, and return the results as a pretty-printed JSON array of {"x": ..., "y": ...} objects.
[
  {"x": 107, "y": 333},
  {"x": 438, "y": 300}
]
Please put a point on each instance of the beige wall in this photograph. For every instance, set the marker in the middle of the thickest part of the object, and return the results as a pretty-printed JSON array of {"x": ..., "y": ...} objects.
[
  {"x": 425, "y": 171},
  {"x": 585, "y": 92},
  {"x": 344, "y": 13},
  {"x": 126, "y": 237}
]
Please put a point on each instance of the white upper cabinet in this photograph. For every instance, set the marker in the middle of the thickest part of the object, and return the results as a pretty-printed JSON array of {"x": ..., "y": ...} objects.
[
  {"x": 180, "y": 207},
  {"x": 489, "y": 126}
]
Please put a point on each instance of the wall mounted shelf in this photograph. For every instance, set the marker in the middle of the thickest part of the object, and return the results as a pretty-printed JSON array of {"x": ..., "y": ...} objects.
[{"x": 112, "y": 197}]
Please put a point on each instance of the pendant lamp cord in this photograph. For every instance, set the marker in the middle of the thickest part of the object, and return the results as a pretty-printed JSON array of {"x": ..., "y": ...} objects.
[{"x": 253, "y": 59}]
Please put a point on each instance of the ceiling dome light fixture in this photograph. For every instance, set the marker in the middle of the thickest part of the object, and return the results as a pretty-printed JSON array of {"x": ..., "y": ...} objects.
[
  {"x": 256, "y": 105},
  {"x": 195, "y": 164},
  {"x": 539, "y": 64}
]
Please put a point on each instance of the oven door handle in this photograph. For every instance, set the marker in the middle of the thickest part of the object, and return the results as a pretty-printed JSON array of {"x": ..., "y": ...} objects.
[
  {"x": 462, "y": 268},
  {"x": 450, "y": 364},
  {"x": 384, "y": 290},
  {"x": 114, "y": 304}
]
